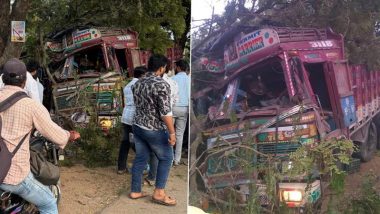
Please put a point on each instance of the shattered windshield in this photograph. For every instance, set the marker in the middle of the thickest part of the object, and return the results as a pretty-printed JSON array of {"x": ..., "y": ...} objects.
[
  {"x": 255, "y": 89},
  {"x": 84, "y": 63}
]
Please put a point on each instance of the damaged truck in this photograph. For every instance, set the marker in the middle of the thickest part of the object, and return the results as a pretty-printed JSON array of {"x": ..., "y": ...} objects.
[
  {"x": 267, "y": 76},
  {"x": 89, "y": 66}
]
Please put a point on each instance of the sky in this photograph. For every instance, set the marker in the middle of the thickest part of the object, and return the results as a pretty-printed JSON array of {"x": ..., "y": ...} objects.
[{"x": 202, "y": 9}]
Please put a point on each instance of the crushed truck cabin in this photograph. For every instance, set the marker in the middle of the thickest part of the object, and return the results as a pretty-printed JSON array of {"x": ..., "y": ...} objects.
[
  {"x": 90, "y": 66},
  {"x": 271, "y": 75}
]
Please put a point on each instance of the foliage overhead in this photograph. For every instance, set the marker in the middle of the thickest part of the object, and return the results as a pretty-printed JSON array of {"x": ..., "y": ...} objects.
[
  {"x": 159, "y": 23},
  {"x": 357, "y": 20}
]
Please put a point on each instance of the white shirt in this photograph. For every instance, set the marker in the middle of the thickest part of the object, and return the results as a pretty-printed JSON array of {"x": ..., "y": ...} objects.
[
  {"x": 174, "y": 96},
  {"x": 40, "y": 90},
  {"x": 129, "y": 108},
  {"x": 31, "y": 87}
]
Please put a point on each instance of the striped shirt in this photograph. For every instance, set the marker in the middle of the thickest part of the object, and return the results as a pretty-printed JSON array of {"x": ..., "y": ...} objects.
[{"x": 18, "y": 120}]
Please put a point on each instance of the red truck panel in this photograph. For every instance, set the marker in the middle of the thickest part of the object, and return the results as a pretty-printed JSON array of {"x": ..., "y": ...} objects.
[
  {"x": 374, "y": 92},
  {"x": 363, "y": 90},
  {"x": 369, "y": 91},
  {"x": 358, "y": 91},
  {"x": 173, "y": 54},
  {"x": 342, "y": 78},
  {"x": 341, "y": 91},
  {"x": 350, "y": 76}
]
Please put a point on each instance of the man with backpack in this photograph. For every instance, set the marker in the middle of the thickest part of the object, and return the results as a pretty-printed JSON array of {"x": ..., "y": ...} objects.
[{"x": 20, "y": 114}]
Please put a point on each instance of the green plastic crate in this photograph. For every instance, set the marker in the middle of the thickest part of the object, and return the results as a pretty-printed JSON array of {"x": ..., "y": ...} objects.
[{"x": 353, "y": 166}]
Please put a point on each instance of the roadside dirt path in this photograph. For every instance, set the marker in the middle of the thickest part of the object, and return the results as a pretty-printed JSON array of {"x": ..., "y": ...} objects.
[
  {"x": 353, "y": 182},
  {"x": 176, "y": 187},
  {"x": 101, "y": 190},
  {"x": 88, "y": 190}
]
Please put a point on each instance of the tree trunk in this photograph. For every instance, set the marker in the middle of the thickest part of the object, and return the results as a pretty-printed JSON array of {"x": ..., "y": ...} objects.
[{"x": 18, "y": 12}]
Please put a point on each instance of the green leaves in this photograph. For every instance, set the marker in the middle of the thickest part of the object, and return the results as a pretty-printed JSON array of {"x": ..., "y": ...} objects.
[
  {"x": 356, "y": 20},
  {"x": 326, "y": 156},
  {"x": 159, "y": 23}
]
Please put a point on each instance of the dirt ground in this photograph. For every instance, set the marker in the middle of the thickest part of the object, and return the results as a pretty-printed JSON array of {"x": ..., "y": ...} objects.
[
  {"x": 354, "y": 181},
  {"x": 101, "y": 190}
]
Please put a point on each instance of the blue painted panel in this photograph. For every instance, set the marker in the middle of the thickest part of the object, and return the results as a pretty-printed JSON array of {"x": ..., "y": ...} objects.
[{"x": 348, "y": 109}]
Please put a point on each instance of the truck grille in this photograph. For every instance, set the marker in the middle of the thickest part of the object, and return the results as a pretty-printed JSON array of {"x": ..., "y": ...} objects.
[{"x": 279, "y": 148}]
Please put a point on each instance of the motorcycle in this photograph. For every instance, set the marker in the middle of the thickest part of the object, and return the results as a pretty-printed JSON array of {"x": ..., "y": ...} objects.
[{"x": 13, "y": 204}]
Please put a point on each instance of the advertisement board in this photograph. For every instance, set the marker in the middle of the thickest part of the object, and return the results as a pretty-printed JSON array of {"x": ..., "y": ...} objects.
[{"x": 18, "y": 31}]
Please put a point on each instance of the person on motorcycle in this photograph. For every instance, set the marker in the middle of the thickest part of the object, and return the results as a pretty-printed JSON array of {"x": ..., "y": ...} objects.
[{"x": 19, "y": 120}]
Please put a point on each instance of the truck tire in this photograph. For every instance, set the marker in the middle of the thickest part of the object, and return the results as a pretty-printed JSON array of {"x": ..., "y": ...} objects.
[
  {"x": 376, "y": 120},
  {"x": 378, "y": 139},
  {"x": 368, "y": 147}
]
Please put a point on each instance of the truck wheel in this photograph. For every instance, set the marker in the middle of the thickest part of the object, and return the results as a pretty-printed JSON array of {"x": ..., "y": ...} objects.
[
  {"x": 378, "y": 136},
  {"x": 376, "y": 121},
  {"x": 368, "y": 148},
  {"x": 378, "y": 139}
]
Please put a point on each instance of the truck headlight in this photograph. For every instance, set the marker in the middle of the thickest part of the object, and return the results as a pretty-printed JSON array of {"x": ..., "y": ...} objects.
[{"x": 292, "y": 195}]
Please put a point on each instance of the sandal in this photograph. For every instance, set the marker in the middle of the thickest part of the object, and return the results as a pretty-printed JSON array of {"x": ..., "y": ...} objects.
[
  {"x": 148, "y": 182},
  {"x": 167, "y": 201},
  {"x": 143, "y": 195}
]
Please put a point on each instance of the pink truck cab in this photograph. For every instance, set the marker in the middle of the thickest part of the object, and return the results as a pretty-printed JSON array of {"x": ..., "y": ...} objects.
[
  {"x": 271, "y": 75},
  {"x": 90, "y": 66}
]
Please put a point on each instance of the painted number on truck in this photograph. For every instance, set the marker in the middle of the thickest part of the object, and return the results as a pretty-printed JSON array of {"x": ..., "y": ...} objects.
[
  {"x": 322, "y": 44},
  {"x": 125, "y": 37}
]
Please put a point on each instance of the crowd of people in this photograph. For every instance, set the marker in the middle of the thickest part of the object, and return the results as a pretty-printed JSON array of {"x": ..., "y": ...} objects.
[{"x": 155, "y": 113}]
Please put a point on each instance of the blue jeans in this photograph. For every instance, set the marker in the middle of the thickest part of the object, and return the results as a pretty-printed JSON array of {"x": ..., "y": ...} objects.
[
  {"x": 153, "y": 164},
  {"x": 180, "y": 115},
  {"x": 124, "y": 148},
  {"x": 34, "y": 192},
  {"x": 146, "y": 142}
]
